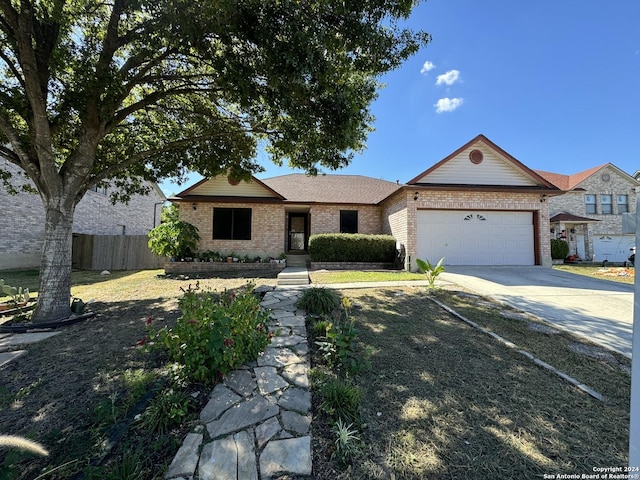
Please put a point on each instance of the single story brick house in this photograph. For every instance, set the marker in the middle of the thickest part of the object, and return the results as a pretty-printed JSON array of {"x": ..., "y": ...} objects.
[{"x": 477, "y": 206}]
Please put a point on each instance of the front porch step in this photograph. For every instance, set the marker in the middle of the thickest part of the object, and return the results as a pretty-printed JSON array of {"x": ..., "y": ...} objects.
[
  {"x": 293, "y": 276},
  {"x": 298, "y": 260}
]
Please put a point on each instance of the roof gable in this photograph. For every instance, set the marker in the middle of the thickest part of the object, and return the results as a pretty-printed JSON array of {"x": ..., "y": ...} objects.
[
  {"x": 480, "y": 162},
  {"x": 223, "y": 186},
  {"x": 571, "y": 182}
]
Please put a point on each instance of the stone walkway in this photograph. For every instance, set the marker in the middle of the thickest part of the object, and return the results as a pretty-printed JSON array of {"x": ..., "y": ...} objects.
[{"x": 257, "y": 422}]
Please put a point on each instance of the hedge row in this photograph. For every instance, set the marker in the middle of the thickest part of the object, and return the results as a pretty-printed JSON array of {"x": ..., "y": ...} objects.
[{"x": 347, "y": 247}]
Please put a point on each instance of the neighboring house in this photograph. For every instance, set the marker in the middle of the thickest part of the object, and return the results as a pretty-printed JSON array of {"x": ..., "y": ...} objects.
[
  {"x": 478, "y": 206},
  {"x": 589, "y": 214},
  {"x": 24, "y": 218}
]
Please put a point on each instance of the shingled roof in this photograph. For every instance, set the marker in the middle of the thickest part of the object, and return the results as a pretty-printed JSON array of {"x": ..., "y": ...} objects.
[
  {"x": 569, "y": 182},
  {"x": 347, "y": 189}
]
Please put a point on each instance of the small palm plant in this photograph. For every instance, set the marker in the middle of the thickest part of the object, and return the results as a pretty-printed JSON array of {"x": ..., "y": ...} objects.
[{"x": 430, "y": 270}]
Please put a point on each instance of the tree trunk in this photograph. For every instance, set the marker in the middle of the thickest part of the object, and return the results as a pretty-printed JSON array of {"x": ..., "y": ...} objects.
[{"x": 55, "y": 268}]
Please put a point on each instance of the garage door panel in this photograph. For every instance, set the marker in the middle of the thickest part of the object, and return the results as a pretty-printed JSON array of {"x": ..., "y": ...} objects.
[
  {"x": 613, "y": 248},
  {"x": 476, "y": 237}
]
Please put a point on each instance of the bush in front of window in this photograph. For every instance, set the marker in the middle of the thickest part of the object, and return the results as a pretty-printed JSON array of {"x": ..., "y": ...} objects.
[
  {"x": 559, "y": 249},
  {"x": 177, "y": 239},
  {"x": 345, "y": 247}
]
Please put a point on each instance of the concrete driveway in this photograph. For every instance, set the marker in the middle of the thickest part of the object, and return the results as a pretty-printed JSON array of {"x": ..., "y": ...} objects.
[{"x": 599, "y": 310}]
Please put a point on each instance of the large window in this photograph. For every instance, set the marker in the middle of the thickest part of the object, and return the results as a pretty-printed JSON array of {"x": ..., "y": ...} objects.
[
  {"x": 348, "y": 221},
  {"x": 623, "y": 203},
  {"x": 607, "y": 205},
  {"x": 232, "y": 224},
  {"x": 590, "y": 204}
]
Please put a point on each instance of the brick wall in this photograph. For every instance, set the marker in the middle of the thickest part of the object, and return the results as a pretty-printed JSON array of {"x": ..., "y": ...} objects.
[
  {"x": 268, "y": 229},
  {"x": 465, "y": 200},
  {"x": 397, "y": 217},
  {"x": 326, "y": 218},
  {"x": 24, "y": 218}
]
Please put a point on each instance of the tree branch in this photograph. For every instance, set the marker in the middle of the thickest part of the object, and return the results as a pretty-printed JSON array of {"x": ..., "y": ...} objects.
[
  {"x": 149, "y": 100},
  {"x": 141, "y": 156},
  {"x": 12, "y": 67}
]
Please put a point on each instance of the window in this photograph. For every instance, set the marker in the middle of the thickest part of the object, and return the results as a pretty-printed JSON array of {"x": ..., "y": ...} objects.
[
  {"x": 348, "y": 221},
  {"x": 100, "y": 190},
  {"x": 590, "y": 204},
  {"x": 623, "y": 203},
  {"x": 232, "y": 224},
  {"x": 607, "y": 206}
]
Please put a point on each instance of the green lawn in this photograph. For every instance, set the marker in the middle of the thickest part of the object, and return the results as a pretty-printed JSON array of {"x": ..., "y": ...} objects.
[{"x": 349, "y": 276}]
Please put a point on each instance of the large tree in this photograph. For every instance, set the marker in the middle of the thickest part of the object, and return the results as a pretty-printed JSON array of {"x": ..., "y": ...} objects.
[{"x": 95, "y": 92}]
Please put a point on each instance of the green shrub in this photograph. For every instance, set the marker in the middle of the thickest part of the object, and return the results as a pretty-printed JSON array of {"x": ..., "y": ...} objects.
[
  {"x": 216, "y": 333},
  {"x": 167, "y": 409},
  {"x": 559, "y": 249},
  {"x": 339, "y": 351},
  {"x": 343, "y": 247},
  {"x": 341, "y": 400},
  {"x": 318, "y": 301},
  {"x": 175, "y": 239}
]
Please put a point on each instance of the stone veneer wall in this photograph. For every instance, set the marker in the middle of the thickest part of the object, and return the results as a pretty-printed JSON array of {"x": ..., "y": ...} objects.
[{"x": 24, "y": 218}]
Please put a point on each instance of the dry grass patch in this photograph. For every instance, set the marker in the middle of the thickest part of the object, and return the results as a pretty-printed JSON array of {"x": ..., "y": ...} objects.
[
  {"x": 69, "y": 391},
  {"x": 603, "y": 370},
  {"x": 614, "y": 274},
  {"x": 442, "y": 400}
]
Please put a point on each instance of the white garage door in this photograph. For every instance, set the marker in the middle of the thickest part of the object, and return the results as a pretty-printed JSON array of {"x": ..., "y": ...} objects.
[
  {"x": 476, "y": 237},
  {"x": 613, "y": 248}
]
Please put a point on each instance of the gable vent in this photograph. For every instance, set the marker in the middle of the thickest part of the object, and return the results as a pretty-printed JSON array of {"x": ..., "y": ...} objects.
[{"x": 476, "y": 157}]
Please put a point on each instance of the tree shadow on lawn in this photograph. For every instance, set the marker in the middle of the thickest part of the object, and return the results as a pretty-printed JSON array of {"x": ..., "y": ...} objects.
[
  {"x": 52, "y": 393},
  {"x": 442, "y": 400}
]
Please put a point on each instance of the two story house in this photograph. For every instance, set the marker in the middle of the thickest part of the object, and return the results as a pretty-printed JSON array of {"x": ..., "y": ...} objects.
[
  {"x": 23, "y": 222},
  {"x": 589, "y": 215}
]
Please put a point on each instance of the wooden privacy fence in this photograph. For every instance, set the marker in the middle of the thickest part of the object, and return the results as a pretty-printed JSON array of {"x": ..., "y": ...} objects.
[{"x": 113, "y": 252}]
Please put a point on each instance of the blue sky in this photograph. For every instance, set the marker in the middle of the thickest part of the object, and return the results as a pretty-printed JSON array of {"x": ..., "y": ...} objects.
[{"x": 555, "y": 83}]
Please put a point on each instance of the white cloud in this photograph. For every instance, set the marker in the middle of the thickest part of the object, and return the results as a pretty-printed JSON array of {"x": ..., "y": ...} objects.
[
  {"x": 427, "y": 67},
  {"x": 448, "y": 104},
  {"x": 448, "y": 78}
]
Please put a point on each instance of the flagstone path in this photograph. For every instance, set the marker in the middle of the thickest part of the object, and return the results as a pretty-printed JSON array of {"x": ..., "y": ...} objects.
[{"x": 257, "y": 421}]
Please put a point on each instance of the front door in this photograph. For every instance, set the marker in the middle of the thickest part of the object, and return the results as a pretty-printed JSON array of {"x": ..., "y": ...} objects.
[{"x": 298, "y": 238}]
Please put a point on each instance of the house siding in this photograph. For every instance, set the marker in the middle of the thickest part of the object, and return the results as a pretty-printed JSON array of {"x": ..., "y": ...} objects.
[
  {"x": 268, "y": 228},
  {"x": 23, "y": 230},
  {"x": 493, "y": 170},
  {"x": 395, "y": 214}
]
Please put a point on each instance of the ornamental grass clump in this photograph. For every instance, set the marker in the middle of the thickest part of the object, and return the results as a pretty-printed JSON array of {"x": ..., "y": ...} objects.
[
  {"x": 216, "y": 333},
  {"x": 318, "y": 301}
]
